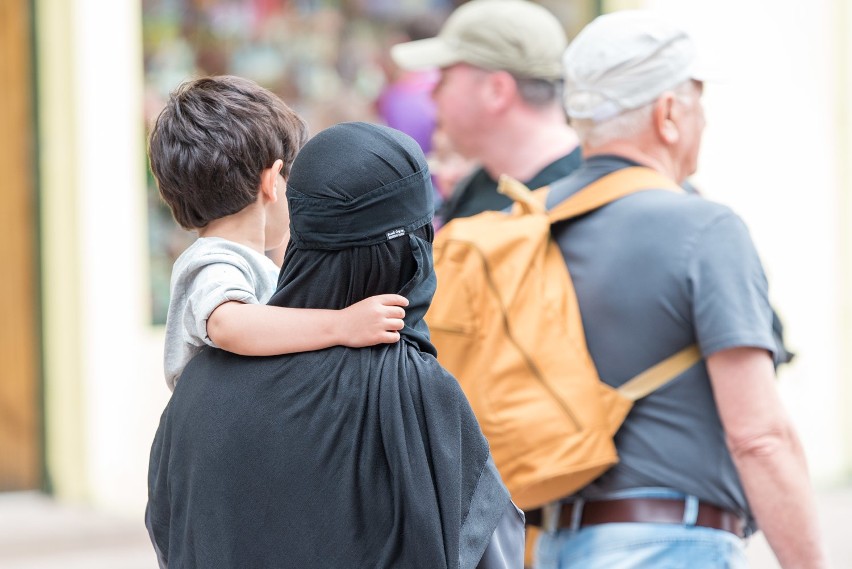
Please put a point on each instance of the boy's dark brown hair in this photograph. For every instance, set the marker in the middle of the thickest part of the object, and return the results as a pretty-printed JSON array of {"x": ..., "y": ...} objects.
[{"x": 210, "y": 144}]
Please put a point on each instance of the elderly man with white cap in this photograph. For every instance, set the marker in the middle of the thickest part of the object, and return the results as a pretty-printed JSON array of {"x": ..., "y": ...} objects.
[
  {"x": 499, "y": 97},
  {"x": 711, "y": 457}
]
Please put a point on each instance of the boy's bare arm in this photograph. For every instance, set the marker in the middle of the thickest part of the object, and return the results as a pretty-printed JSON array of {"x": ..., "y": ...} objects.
[{"x": 262, "y": 330}]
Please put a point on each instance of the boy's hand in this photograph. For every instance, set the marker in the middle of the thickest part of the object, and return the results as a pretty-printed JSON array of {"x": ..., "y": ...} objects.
[{"x": 374, "y": 320}]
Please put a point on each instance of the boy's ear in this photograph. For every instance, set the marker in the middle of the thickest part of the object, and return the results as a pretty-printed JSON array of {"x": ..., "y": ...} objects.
[{"x": 269, "y": 181}]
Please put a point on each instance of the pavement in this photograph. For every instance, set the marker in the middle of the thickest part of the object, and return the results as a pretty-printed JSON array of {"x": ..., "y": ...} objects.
[{"x": 38, "y": 533}]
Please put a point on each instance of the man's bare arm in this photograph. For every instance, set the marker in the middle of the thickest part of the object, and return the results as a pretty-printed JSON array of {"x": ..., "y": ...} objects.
[{"x": 768, "y": 455}]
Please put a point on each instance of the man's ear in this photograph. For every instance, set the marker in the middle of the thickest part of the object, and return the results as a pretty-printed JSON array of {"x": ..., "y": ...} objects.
[
  {"x": 664, "y": 120},
  {"x": 269, "y": 181},
  {"x": 502, "y": 89}
]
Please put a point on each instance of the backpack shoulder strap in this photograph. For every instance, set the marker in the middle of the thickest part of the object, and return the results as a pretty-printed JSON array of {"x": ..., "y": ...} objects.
[
  {"x": 610, "y": 188},
  {"x": 660, "y": 374}
]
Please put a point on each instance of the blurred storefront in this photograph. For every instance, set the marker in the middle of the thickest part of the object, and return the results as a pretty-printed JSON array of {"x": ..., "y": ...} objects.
[
  {"x": 82, "y": 387},
  {"x": 327, "y": 59}
]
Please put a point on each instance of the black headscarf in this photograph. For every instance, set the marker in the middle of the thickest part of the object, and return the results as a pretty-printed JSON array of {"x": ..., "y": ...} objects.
[
  {"x": 339, "y": 457},
  {"x": 360, "y": 200}
]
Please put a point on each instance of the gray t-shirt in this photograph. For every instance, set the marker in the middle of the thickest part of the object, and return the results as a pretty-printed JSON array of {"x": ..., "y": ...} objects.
[
  {"x": 210, "y": 272},
  {"x": 655, "y": 272}
]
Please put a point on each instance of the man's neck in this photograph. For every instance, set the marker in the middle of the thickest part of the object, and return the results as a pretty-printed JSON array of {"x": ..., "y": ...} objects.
[
  {"x": 526, "y": 144},
  {"x": 646, "y": 155}
]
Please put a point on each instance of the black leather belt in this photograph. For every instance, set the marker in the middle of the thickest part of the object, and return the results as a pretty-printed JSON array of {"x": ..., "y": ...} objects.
[{"x": 644, "y": 510}]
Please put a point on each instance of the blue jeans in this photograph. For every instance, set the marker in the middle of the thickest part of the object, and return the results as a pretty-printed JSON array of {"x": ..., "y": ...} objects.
[{"x": 641, "y": 545}]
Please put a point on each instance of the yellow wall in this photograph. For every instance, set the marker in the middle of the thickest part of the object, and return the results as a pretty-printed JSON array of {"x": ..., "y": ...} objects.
[
  {"x": 103, "y": 378},
  {"x": 59, "y": 180},
  {"x": 614, "y": 5}
]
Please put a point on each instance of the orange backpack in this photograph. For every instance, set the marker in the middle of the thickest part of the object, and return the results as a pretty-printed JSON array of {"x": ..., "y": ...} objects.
[{"x": 506, "y": 324}]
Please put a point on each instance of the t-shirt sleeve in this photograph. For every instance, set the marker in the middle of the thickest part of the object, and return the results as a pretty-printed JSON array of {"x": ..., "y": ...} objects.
[
  {"x": 729, "y": 289},
  {"x": 211, "y": 286}
]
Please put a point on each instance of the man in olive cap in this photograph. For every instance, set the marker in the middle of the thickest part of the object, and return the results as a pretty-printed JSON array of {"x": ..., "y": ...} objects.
[
  {"x": 498, "y": 99},
  {"x": 711, "y": 457}
]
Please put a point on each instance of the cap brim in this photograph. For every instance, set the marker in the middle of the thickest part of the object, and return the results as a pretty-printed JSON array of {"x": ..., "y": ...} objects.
[{"x": 423, "y": 54}]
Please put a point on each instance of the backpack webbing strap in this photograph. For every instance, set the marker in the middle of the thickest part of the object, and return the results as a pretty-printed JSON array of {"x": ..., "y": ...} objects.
[
  {"x": 527, "y": 200},
  {"x": 661, "y": 373},
  {"x": 610, "y": 188}
]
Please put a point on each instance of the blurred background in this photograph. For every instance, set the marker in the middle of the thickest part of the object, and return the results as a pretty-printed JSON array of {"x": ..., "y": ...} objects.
[{"x": 87, "y": 247}]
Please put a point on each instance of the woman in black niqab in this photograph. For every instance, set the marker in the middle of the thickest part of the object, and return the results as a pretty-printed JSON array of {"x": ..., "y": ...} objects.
[{"x": 340, "y": 457}]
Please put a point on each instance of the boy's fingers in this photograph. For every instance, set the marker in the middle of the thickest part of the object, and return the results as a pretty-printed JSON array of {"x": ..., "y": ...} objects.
[
  {"x": 390, "y": 337},
  {"x": 395, "y": 324},
  {"x": 393, "y": 300},
  {"x": 395, "y": 312}
]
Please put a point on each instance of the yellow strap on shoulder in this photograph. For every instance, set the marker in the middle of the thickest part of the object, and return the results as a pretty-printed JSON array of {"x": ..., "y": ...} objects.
[
  {"x": 609, "y": 188},
  {"x": 658, "y": 375},
  {"x": 597, "y": 194}
]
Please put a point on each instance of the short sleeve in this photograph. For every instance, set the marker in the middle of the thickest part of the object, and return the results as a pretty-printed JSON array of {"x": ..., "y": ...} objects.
[
  {"x": 210, "y": 272},
  {"x": 729, "y": 289},
  {"x": 212, "y": 286}
]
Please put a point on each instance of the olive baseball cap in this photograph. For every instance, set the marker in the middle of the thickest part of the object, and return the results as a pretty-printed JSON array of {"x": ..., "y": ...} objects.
[{"x": 517, "y": 36}]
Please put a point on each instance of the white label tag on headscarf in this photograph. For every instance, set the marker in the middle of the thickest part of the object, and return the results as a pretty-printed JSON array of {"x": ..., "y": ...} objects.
[{"x": 395, "y": 233}]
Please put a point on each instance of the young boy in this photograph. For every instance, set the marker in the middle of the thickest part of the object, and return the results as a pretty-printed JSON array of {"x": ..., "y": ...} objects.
[{"x": 221, "y": 152}]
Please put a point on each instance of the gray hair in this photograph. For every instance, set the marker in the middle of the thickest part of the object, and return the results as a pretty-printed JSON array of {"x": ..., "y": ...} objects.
[
  {"x": 538, "y": 92},
  {"x": 626, "y": 124}
]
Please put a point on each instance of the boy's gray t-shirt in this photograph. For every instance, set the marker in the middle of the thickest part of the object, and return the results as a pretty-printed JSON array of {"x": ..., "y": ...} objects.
[
  {"x": 655, "y": 272},
  {"x": 210, "y": 272}
]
